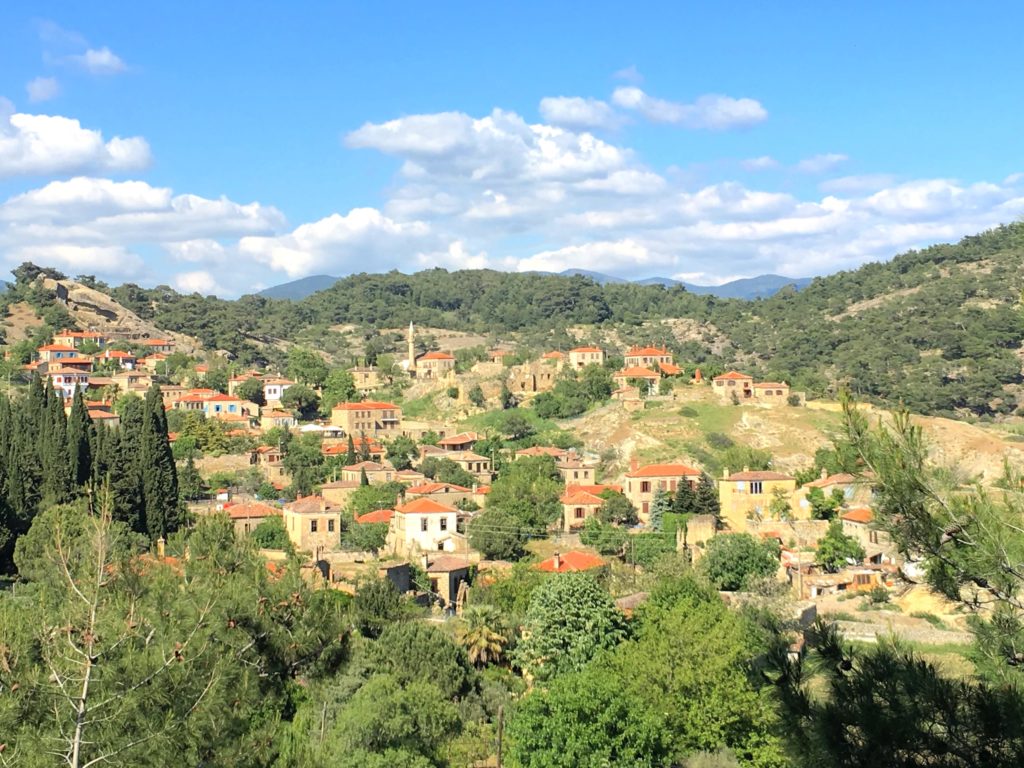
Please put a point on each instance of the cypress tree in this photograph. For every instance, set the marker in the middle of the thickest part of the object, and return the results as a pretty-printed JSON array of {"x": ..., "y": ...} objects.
[
  {"x": 124, "y": 457},
  {"x": 159, "y": 473},
  {"x": 80, "y": 442},
  {"x": 364, "y": 448},
  {"x": 363, "y": 479},
  {"x": 351, "y": 459},
  {"x": 53, "y": 451}
]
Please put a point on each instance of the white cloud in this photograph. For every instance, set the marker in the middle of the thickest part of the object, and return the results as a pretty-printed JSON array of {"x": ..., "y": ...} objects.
[
  {"x": 79, "y": 259},
  {"x": 627, "y": 182},
  {"x": 578, "y": 112},
  {"x": 42, "y": 88},
  {"x": 49, "y": 144},
  {"x": 203, "y": 250},
  {"x": 599, "y": 256},
  {"x": 630, "y": 74},
  {"x": 762, "y": 163},
  {"x": 711, "y": 111},
  {"x": 868, "y": 182},
  {"x": 362, "y": 240},
  {"x": 821, "y": 163},
  {"x": 99, "y": 61},
  {"x": 199, "y": 281}
]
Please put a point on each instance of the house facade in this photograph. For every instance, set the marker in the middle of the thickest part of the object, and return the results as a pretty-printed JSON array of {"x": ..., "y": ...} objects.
[
  {"x": 313, "y": 524},
  {"x": 370, "y": 418},
  {"x": 734, "y": 382},
  {"x": 644, "y": 482},
  {"x": 366, "y": 378},
  {"x": 749, "y": 494},
  {"x": 425, "y": 525},
  {"x": 647, "y": 357},
  {"x": 274, "y": 389},
  {"x": 581, "y": 357},
  {"x": 434, "y": 365}
]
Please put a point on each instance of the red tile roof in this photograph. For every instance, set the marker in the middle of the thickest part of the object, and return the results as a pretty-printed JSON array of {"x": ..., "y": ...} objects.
[
  {"x": 596, "y": 489},
  {"x": 581, "y": 498},
  {"x": 556, "y": 355},
  {"x": 378, "y": 516},
  {"x": 571, "y": 561},
  {"x": 670, "y": 369},
  {"x": 636, "y": 372},
  {"x": 859, "y": 515},
  {"x": 770, "y": 385},
  {"x": 95, "y": 413},
  {"x": 436, "y": 356},
  {"x": 56, "y": 348},
  {"x": 586, "y": 349},
  {"x": 424, "y": 506},
  {"x": 647, "y": 352},
  {"x": 459, "y": 439},
  {"x": 664, "y": 470},
  {"x": 427, "y": 488},
  {"x": 735, "y": 375},
  {"x": 250, "y": 510}
]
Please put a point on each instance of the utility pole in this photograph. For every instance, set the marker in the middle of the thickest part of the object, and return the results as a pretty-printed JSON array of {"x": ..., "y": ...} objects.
[{"x": 501, "y": 730}]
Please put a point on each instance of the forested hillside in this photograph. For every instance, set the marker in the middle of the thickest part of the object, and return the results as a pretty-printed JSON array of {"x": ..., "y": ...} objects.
[{"x": 939, "y": 329}]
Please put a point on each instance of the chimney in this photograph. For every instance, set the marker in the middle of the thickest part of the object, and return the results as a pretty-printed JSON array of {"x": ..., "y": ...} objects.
[
  {"x": 323, "y": 504},
  {"x": 746, "y": 469},
  {"x": 634, "y": 464},
  {"x": 824, "y": 473},
  {"x": 424, "y": 561},
  {"x": 558, "y": 561},
  {"x": 161, "y": 548},
  {"x": 725, "y": 473}
]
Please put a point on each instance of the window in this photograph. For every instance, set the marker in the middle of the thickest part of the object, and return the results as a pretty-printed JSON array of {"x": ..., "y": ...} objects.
[
  {"x": 423, "y": 524},
  {"x": 579, "y": 513},
  {"x": 756, "y": 487},
  {"x": 646, "y": 507},
  {"x": 575, "y": 475},
  {"x": 330, "y": 526},
  {"x": 312, "y": 526},
  {"x": 444, "y": 523},
  {"x": 645, "y": 486}
]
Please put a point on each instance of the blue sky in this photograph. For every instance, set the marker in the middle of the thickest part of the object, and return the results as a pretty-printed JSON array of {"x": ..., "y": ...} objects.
[{"x": 223, "y": 147}]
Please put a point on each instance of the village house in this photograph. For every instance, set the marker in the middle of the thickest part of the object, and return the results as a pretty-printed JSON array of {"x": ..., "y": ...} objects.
[
  {"x": 78, "y": 363},
  {"x": 477, "y": 465},
  {"x": 575, "y": 470},
  {"x": 532, "y": 377},
  {"x": 771, "y": 392},
  {"x": 627, "y": 376},
  {"x": 447, "y": 574},
  {"x": 245, "y": 517},
  {"x": 270, "y": 461},
  {"x": 425, "y": 525},
  {"x": 339, "y": 447},
  {"x": 339, "y": 492},
  {"x": 273, "y": 419},
  {"x": 51, "y": 353},
  {"x": 571, "y": 561},
  {"x": 151, "y": 362},
  {"x": 577, "y": 507},
  {"x": 116, "y": 358},
  {"x": 749, "y": 494},
  {"x": 366, "y": 378},
  {"x": 162, "y": 346},
  {"x": 854, "y": 490},
  {"x": 105, "y": 417},
  {"x": 446, "y": 493},
  {"x": 274, "y": 389},
  {"x": 464, "y": 441},
  {"x": 313, "y": 524},
  {"x": 734, "y": 382},
  {"x": 376, "y": 474},
  {"x": 369, "y": 418},
  {"x": 78, "y": 338},
  {"x": 646, "y": 357},
  {"x": 580, "y": 357},
  {"x": 643, "y": 483},
  {"x": 66, "y": 381},
  {"x": 434, "y": 365},
  {"x": 212, "y": 406},
  {"x": 878, "y": 547},
  {"x": 239, "y": 379},
  {"x": 127, "y": 380}
]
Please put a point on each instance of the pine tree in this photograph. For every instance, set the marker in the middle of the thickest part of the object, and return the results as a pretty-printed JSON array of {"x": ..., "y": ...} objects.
[
  {"x": 80, "y": 442},
  {"x": 159, "y": 474},
  {"x": 707, "y": 497},
  {"x": 685, "y": 501}
]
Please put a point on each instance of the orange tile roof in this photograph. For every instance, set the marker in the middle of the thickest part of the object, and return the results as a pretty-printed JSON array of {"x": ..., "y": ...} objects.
[
  {"x": 459, "y": 439},
  {"x": 436, "y": 356},
  {"x": 586, "y": 349},
  {"x": 636, "y": 372},
  {"x": 596, "y": 489},
  {"x": 670, "y": 369},
  {"x": 307, "y": 504},
  {"x": 571, "y": 561},
  {"x": 378, "y": 516},
  {"x": 664, "y": 470},
  {"x": 556, "y": 355},
  {"x": 735, "y": 375},
  {"x": 251, "y": 509},
  {"x": 770, "y": 385},
  {"x": 484, "y": 489},
  {"x": 581, "y": 498},
  {"x": 95, "y": 413},
  {"x": 116, "y": 353},
  {"x": 56, "y": 348},
  {"x": 647, "y": 351},
  {"x": 424, "y": 506},
  {"x": 859, "y": 515},
  {"x": 366, "y": 405},
  {"x": 156, "y": 343}
]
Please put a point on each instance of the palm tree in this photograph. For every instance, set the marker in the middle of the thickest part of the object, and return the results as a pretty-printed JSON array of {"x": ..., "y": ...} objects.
[{"x": 480, "y": 633}]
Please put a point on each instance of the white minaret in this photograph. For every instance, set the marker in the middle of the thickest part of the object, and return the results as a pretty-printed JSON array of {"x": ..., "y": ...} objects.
[{"x": 411, "y": 364}]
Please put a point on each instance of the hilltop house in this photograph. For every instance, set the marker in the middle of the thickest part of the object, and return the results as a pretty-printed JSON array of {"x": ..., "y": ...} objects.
[
  {"x": 376, "y": 474},
  {"x": 274, "y": 389},
  {"x": 627, "y": 376},
  {"x": 162, "y": 346},
  {"x": 434, "y": 365},
  {"x": 477, "y": 465},
  {"x": 366, "y": 378},
  {"x": 115, "y": 357},
  {"x": 734, "y": 382},
  {"x": 580, "y": 357},
  {"x": 369, "y": 418},
  {"x": 51, "y": 353},
  {"x": 749, "y": 494},
  {"x": 643, "y": 483},
  {"x": 272, "y": 419},
  {"x": 446, "y": 493},
  {"x": 246, "y": 517},
  {"x": 571, "y": 561},
  {"x": 646, "y": 357},
  {"x": 878, "y": 546},
  {"x": 581, "y": 502},
  {"x": 464, "y": 441},
  {"x": 78, "y": 338},
  {"x": 66, "y": 381},
  {"x": 575, "y": 470},
  {"x": 313, "y": 524},
  {"x": 854, "y": 490}
]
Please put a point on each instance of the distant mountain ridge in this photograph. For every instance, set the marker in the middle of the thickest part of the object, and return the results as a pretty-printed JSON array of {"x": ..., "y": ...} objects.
[{"x": 760, "y": 287}]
